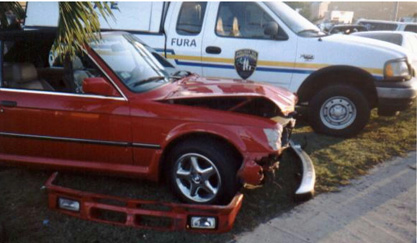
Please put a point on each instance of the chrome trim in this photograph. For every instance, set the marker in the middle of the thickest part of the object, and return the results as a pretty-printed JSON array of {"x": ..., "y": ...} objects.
[
  {"x": 62, "y": 94},
  {"x": 146, "y": 145},
  {"x": 309, "y": 175},
  {"x": 64, "y": 139},
  {"x": 79, "y": 140}
]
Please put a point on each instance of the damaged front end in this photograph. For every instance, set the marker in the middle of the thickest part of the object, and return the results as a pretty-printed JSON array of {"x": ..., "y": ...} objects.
[{"x": 256, "y": 164}]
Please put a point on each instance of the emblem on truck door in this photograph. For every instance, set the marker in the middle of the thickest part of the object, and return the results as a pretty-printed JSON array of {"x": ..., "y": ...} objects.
[{"x": 245, "y": 62}]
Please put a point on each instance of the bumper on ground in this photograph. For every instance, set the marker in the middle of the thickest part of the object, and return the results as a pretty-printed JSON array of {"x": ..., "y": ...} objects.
[
  {"x": 253, "y": 169},
  {"x": 308, "y": 180},
  {"x": 143, "y": 214}
]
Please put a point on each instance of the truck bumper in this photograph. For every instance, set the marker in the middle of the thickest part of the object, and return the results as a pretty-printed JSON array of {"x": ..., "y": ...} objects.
[
  {"x": 395, "y": 96},
  {"x": 142, "y": 213}
]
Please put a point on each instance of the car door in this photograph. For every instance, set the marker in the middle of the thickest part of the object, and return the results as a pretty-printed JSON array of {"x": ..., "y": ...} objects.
[
  {"x": 41, "y": 122},
  {"x": 184, "y": 30},
  {"x": 235, "y": 45}
]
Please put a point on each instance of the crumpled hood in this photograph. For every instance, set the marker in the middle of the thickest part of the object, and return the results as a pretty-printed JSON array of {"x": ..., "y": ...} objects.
[{"x": 195, "y": 86}]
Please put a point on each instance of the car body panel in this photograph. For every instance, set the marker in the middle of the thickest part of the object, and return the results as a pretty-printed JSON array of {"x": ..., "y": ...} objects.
[{"x": 129, "y": 132}]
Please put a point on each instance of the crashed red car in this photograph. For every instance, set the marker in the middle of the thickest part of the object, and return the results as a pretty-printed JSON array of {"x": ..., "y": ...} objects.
[{"x": 120, "y": 108}]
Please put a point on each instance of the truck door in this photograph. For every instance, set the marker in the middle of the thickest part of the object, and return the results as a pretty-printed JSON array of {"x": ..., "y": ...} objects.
[
  {"x": 235, "y": 45},
  {"x": 184, "y": 30}
]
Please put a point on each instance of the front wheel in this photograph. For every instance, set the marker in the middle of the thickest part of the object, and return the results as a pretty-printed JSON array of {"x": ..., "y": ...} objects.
[
  {"x": 202, "y": 172},
  {"x": 339, "y": 110}
]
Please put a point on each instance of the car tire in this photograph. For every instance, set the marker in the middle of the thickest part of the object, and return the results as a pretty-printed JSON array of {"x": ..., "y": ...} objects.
[
  {"x": 339, "y": 110},
  {"x": 202, "y": 172}
]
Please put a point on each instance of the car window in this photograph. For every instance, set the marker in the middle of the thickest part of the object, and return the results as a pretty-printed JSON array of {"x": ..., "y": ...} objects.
[
  {"x": 411, "y": 28},
  {"x": 30, "y": 65},
  {"x": 191, "y": 18},
  {"x": 242, "y": 20}
]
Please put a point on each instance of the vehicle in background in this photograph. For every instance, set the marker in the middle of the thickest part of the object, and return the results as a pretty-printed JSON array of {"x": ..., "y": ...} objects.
[
  {"x": 339, "y": 78},
  {"x": 346, "y": 29},
  {"x": 373, "y": 25}
]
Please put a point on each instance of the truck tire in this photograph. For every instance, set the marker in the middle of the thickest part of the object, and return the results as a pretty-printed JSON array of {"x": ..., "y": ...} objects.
[
  {"x": 202, "y": 172},
  {"x": 339, "y": 110}
]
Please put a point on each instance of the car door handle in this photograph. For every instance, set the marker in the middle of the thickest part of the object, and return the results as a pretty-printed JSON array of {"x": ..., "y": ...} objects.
[
  {"x": 8, "y": 103},
  {"x": 213, "y": 50}
]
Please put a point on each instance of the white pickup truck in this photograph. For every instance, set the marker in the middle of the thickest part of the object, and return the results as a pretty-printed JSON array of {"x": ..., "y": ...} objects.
[{"x": 339, "y": 78}]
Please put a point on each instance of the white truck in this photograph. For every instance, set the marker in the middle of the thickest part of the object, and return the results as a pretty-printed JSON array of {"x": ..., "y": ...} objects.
[{"x": 339, "y": 78}]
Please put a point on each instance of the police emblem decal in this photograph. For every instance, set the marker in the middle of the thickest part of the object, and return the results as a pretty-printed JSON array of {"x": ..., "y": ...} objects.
[{"x": 245, "y": 62}]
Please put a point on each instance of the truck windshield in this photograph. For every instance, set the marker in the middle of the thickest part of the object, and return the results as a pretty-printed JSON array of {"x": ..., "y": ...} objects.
[
  {"x": 297, "y": 23},
  {"x": 131, "y": 61}
]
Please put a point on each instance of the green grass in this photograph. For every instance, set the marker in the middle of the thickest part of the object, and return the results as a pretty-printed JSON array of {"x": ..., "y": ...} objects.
[{"x": 24, "y": 215}]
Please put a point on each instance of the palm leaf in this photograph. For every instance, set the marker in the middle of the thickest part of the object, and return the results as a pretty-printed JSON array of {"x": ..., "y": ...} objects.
[
  {"x": 78, "y": 24},
  {"x": 10, "y": 7}
]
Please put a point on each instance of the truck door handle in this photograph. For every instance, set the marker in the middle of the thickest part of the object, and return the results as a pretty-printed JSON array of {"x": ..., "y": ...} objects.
[
  {"x": 213, "y": 50},
  {"x": 8, "y": 103}
]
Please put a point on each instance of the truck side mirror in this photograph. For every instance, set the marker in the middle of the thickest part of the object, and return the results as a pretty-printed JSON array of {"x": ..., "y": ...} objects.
[
  {"x": 99, "y": 86},
  {"x": 271, "y": 29}
]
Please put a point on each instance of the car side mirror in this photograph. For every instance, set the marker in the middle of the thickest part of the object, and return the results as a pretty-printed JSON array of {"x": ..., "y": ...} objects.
[
  {"x": 99, "y": 86},
  {"x": 271, "y": 29}
]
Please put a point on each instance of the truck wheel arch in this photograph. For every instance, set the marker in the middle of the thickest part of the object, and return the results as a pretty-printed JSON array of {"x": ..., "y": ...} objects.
[{"x": 348, "y": 75}]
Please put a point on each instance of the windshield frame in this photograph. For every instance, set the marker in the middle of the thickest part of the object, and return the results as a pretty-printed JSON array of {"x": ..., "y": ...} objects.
[
  {"x": 294, "y": 21},
  {"x": 143, "y": 50}
]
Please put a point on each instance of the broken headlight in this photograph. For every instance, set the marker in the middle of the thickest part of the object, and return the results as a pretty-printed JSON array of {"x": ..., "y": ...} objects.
[{"x": 273, "y": 137}]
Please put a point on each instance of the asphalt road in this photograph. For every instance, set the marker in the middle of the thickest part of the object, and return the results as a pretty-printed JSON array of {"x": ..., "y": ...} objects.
[{"x": 379, "y": 207}]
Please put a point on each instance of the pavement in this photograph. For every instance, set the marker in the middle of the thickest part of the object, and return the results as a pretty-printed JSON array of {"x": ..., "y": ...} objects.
[{"x": 379, "y": 207}]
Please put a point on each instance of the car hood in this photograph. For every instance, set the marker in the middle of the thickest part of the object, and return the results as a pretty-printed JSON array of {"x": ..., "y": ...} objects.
[{"x": 195, "y": 86}]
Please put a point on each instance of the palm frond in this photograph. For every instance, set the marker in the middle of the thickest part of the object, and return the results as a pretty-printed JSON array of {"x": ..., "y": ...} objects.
[
  {"x": 10, "y": 8},
  {"x": 78, "y": 24}
]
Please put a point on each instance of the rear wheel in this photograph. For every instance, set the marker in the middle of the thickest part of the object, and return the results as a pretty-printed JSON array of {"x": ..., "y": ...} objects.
[
  {"x": 339, "y": 110},
  {"x": 202, "y": 172}
]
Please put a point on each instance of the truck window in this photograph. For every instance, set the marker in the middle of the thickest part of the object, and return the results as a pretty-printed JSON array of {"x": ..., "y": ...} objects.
[
  {"x": 191, "y": 18},
  {"x": 242, "y": 20}
]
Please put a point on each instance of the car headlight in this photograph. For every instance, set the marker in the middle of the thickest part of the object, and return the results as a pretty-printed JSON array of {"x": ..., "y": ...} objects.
[
  {"x": 397, "y": 70},
  {"x": 273, "y": 138}
]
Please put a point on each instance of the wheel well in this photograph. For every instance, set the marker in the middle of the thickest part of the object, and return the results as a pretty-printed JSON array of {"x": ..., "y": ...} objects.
[
  {"x": 355, "y": 77},
  {"x": 195, "y": 137}
]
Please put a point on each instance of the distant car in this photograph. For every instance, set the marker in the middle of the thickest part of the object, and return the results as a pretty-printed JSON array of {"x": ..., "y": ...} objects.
[
  {"x": 373, "y": 25},
  {"x": 346, "y": 29},
  {"x": 408, "y": 40}
]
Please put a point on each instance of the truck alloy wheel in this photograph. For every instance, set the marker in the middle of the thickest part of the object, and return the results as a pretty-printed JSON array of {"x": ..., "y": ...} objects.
[{"x": 339, "y": 110}]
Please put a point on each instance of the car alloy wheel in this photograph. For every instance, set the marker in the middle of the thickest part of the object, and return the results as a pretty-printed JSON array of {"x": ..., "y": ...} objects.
[{"x": 197, "y": 177}]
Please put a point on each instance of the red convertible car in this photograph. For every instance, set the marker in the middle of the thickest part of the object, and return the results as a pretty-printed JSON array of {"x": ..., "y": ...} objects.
[{"x": 120, "y": 108}]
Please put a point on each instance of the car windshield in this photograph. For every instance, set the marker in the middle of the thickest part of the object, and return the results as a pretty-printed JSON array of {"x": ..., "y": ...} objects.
[
  {"x": 132, "y": 62},
  {"x": 297, "y": 23}
]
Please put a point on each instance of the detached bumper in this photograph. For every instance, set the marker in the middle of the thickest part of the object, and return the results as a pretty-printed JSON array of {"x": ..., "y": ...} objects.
[
  {"x": 254, "y": 167},
  {"x": 308, "y": 180},
  {"x": 140, "y": 213}
]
